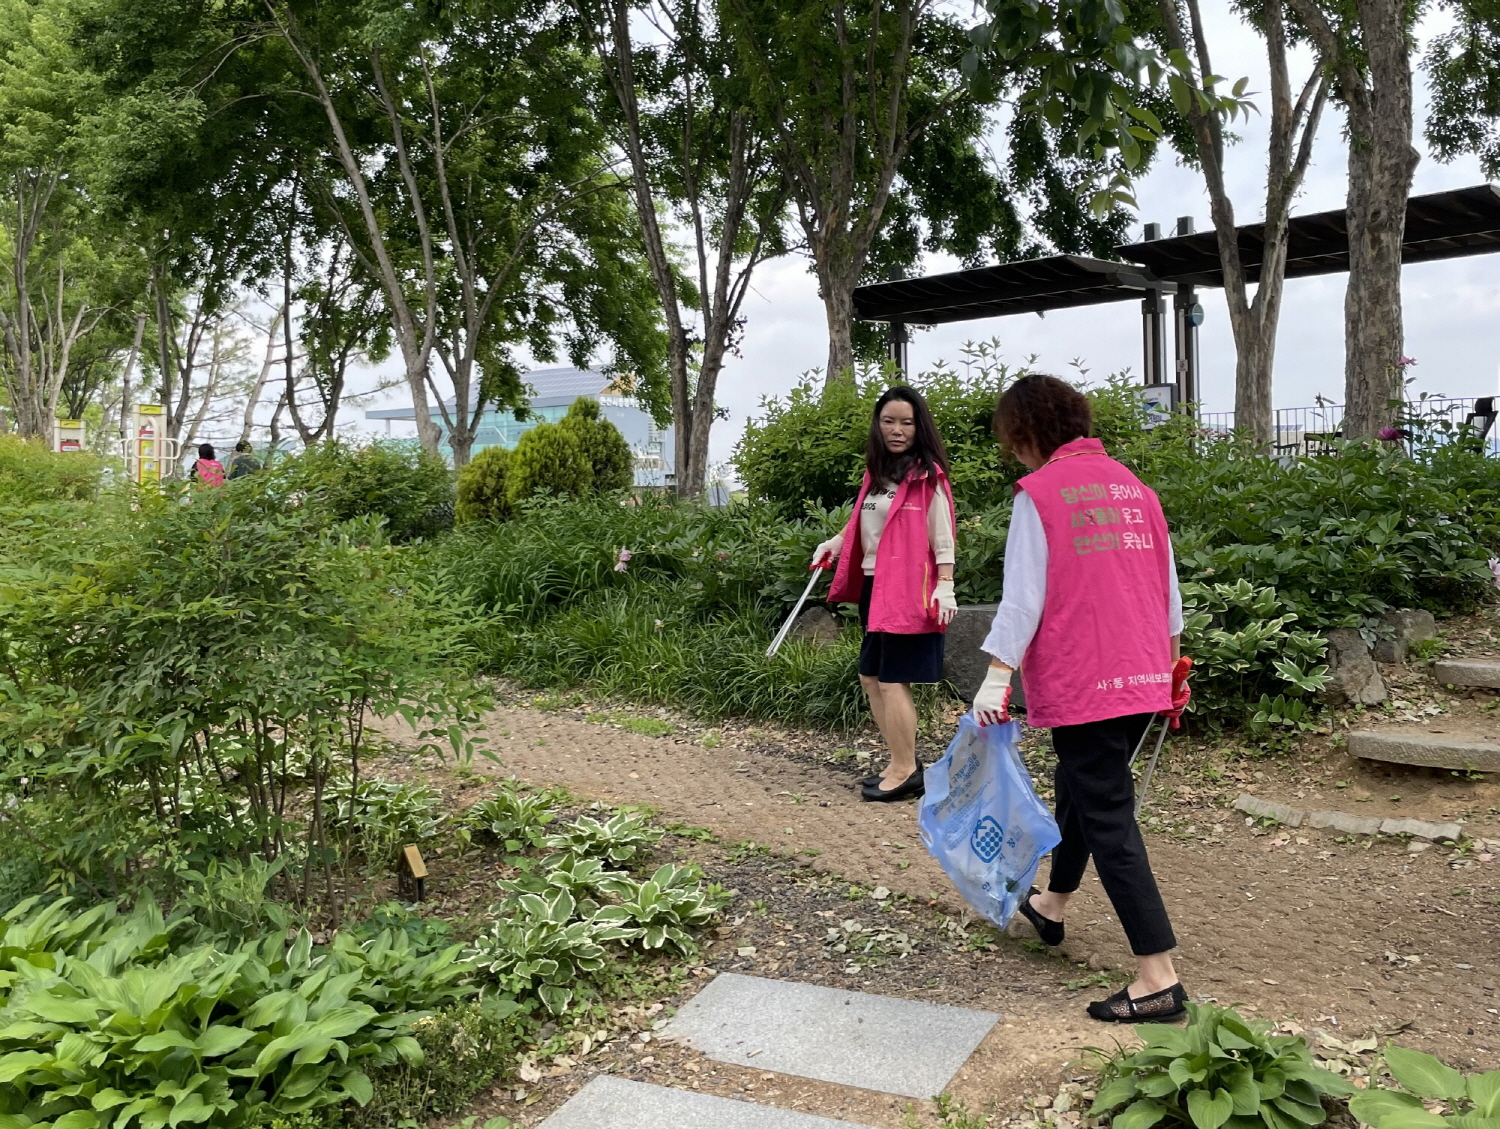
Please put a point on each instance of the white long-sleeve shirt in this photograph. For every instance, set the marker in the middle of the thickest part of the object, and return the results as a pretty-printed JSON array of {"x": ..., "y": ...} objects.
[
  {"x": 877, "y": 511},
  {"x": 1025, "y": 587}
]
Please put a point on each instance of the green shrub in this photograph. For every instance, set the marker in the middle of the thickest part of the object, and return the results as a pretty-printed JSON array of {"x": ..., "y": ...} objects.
[
  {"x": 609, "y": 455},
  {"x": 408, "y": 488},
  {"x": 30, "y": 472},
  {"x": 483, "y": 487},
  {"x": 1469, "y": 1100},
  {"x": 184, "y": 683},
  {"x": 550, "y": 459},
  {"x": 1221, "y": 1070},
  {"x": 378, "y": 817},
  {"x": 120, "y": 1016}
]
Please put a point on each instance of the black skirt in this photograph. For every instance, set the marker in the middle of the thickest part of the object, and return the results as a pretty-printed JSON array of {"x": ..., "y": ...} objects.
[{"x": 888, "y": 657}]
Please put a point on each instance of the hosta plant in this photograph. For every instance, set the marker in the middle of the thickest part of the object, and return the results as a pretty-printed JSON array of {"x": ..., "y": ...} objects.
[
  {"x": 513, "y": 818},
  {"x": 385, "y": 813},
  {"x": 623, "y": 838},
  {"x": 1219, "y": 1071},
  {"x": 539, "y": 946},
  {"x": 659, "y": 911},
  {"x": 113, "y": 1020},
  {"x": 584, "y": 878},
  {"x": 1470, "y": 1101}
]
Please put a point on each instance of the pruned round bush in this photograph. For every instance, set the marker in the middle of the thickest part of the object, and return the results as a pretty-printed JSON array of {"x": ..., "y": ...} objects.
[
  {"x": 550, "y": 459},
  {"x": 608, "y": 453},
  {"x": 482, "y": 487},
  {"x": 406, "y": 486}
]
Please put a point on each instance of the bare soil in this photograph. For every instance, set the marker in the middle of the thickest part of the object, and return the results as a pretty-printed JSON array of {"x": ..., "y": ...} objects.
[{"x": 1343, "y": 937}]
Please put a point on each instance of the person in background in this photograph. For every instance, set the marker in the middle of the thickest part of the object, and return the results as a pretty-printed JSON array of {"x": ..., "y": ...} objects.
[
  {"x": 1091, "y": 605},
  {"x": 243, "y": 461},
  {"x": 895, "y": 559},
  {"x": 207, "y": 469}
]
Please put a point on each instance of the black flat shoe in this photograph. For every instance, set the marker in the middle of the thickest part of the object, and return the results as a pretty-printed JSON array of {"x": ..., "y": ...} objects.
[
  {"x": 913, "y": 785},
  {"x": 1159, "y": 1007},
  {"x": 1051, "y": 932},
  {"x": 874, "y": 777}
]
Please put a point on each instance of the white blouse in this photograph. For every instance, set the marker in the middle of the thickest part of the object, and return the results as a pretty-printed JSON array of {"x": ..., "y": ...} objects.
[
  {"x": 1025, "y": 587},
  {"x": 877, "y": 510}
]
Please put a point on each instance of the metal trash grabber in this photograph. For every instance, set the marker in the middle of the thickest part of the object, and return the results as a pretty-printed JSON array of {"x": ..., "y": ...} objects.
[
  {"x": 791, "y": 619},
  {"x": 1140, "y": 798}
]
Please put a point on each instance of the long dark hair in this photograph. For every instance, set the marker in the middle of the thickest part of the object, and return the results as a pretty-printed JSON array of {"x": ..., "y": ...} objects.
[{"x": 927, "y": 450}]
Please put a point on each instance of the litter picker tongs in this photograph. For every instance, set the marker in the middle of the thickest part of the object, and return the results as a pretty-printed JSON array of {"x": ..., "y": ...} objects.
[
  {"x": 791, "y": 619},
  {"x": 1140, "y": 795}
]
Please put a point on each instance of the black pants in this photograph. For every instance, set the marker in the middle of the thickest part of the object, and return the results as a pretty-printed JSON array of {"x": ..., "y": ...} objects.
[{"x": 1096, "y": 814}]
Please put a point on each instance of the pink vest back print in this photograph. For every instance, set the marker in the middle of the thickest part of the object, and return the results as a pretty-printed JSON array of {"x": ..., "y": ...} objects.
[
  {"x": 1102, "y": 648},
  {"x": 905, "y": 567}
]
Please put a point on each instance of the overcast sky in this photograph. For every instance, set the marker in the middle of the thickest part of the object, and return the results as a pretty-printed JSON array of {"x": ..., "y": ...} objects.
[{"x": 1452, "y": 328}]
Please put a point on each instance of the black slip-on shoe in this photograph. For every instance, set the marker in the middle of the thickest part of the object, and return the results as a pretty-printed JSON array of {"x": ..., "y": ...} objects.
[
  {"x": 1159, "y": 1007},
  {"x": 913, "y": 785},
  {"x": 1051, "y": 932}
]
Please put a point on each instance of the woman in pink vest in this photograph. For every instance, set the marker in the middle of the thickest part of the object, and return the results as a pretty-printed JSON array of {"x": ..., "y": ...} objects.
[
  {"x": 895, "y": 559},
  {"x": 1091, "y": 614}
]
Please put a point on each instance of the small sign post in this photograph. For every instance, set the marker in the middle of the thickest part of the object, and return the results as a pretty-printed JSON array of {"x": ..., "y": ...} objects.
[
  {"x": 413, "y": 870},
  {"x": 68, "y": 435}
]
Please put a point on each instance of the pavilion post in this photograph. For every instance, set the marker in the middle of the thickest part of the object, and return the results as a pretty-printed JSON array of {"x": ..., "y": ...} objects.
[
  {"x": 897, "y": 340},
  {"x": 1153, "y": 327},
  {"x": 1188, "y": 316}
]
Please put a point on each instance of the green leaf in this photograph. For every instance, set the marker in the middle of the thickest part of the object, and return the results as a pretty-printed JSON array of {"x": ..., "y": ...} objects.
[
  {"x": 1244, "y": 1091},
  {"x": 15, "y": 1121},
  {"x": 357, "y": 1085},
  {"x": 1139, "y": 1115},
  {"x": 163, "y": 1041},
  {"x": 221, "y": 1039},
  {"x": 1391, "y": 1109},
  {"x": 77, "y": 1119},
  {"x": 1473, "y": 1121},
  {"x": 17, "y": 1063},
  {"x": 1484, "y": 1092},
  {"x": 1209, "y": 1112},
  {"x": 1117, "y": 1093},
  {"x": 1183, "y": 1074},
  {"x": 1423, "y": 1074}
]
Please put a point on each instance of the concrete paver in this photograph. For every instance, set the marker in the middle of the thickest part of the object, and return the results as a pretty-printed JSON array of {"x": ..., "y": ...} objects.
[
  {"x": 618, "y": 1103},
  {"x": 882, "y": 1043}
]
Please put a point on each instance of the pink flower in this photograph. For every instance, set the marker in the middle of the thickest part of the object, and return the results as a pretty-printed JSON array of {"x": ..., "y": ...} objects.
[
  {"x": 1405, "y": 361},
  {"x": 1392, "y": 433},
  {"x": 622, "y": 562}
]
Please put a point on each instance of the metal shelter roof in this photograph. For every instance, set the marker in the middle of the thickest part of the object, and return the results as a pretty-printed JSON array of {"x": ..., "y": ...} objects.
[
  {"x": 1030, "y": 286},
  {"x": 1440, "y": 225}
]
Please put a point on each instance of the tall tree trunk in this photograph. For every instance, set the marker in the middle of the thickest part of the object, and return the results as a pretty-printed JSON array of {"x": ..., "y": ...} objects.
[
  {"x": 1373, "y": 68},
  {"x": 837, "y": 278},
  {"x": 1381, "y": 166},
  {"x": 1253, "y": 321},
  {"x": 135, "y": 352}
]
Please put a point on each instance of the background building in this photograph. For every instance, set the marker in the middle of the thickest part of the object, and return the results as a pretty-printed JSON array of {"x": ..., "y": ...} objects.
[{"x": 555, "y": 390}]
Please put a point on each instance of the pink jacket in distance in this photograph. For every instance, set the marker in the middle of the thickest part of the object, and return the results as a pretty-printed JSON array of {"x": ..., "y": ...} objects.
[
  {"x": 1103, "y": 647},
  {"x": 905, "y": 567}
]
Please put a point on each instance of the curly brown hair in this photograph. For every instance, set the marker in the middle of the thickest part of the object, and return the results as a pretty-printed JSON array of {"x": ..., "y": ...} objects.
[{"x": 1041, "y": 412}]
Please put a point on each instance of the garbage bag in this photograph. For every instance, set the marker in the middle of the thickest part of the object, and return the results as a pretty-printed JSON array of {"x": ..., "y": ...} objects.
[{"x": 982, "y": 820}]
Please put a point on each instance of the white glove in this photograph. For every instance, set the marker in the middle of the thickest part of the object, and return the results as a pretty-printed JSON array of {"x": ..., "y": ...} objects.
[
  {"x": 992, "y": 703},
  {"x": 826, "y": 555},
  {"x": 945, "y": 602}
]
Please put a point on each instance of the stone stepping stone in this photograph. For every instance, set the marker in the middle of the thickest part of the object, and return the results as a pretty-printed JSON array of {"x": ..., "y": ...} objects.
[
  {"x": 1430, "y": 748},
  {"x": 880, "y": 1043},
  {"x": 618, "y": 1103},
  {"x": 1484, "y": 673}
]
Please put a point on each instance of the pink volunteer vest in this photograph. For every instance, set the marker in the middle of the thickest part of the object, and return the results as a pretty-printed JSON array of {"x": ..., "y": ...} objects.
[
  {"x": 905, "y": 567},
  {"x": 1102, "y": 648}
]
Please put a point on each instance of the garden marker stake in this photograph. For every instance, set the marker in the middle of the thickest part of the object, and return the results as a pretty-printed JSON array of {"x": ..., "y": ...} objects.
[{"x": 791, "y": 619}]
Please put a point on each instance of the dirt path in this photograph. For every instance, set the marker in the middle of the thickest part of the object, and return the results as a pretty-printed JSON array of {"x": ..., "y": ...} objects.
[{"x": 1357, "y": 938}]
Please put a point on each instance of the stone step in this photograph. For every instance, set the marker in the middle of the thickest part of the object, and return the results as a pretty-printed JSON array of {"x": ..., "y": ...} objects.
[
  {"x": 618, "y": 1103},
  {"x": 1468, "y": 672},
  {"x": 829, "y": 1034},
  {"x": 1471, "y": 752}
]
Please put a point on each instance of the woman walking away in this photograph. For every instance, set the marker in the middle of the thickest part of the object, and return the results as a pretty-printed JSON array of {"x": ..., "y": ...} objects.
[
  {"x": 895, "y": 559},
  {"x": 207, "y": 469},
  {"x": 1091, "y": 605}
]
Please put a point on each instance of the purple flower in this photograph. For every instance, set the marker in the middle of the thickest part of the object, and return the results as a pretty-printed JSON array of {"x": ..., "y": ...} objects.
[
  {"x": 1405, "y": 361},
  {"x": 622, "y": 562},
  {"x": 1390, "y": 434}
]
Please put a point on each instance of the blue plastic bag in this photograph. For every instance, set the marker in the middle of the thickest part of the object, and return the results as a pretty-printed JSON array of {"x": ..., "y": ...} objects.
[{"x": 983, "y": 822}]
